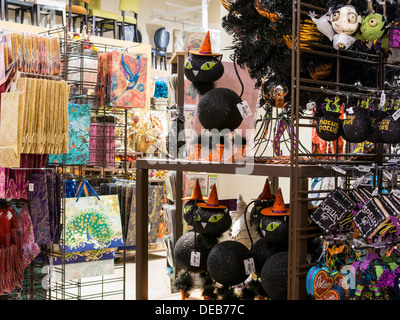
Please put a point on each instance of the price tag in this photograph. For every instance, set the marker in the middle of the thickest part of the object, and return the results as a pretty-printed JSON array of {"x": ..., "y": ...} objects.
[
  {"x": 375, "y": 193},
  {"x": 358, "y": 182},
  {"x": 350, "y": 110},
  {"x": 393, "y": 160},
  {"x": 249, "y": 266},
  {"x": 195, "y": 259},
  {"x": 244, "y": 109},
  {"x": 383, "y": 99},
  {"x": 396, "y": 115},
  {"x": 337, "y": 169},
  {"x": 364, "y": 168},
  {"x": 31, "y": 187},
  {"x": 396, "y": 193},
  {"x": 9, "y": 215}
]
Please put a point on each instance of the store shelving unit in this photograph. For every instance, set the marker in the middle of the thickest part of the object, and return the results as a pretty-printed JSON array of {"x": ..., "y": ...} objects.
[
  {"x": 300, "y": 230},
  {"x": 301, "y": 167},
  {"x": 79, "y": 67},
  {"x": 142, "y": 168}
]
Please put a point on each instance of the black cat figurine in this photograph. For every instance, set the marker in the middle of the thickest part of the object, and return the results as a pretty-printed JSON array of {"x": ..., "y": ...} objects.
[
  {"x": 211, "y": 217},
  {"x": 203, "y": 71},
  {"x": 203, "y": 67}
]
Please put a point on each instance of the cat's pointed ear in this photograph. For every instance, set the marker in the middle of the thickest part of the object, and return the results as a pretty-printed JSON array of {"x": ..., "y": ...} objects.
[{"x": 219, "y": 57}]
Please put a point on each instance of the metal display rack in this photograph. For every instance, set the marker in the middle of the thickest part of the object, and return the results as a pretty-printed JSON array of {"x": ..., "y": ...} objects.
[
  {"x": 37, "y": 283},
  {"x": 301, "y": 166},
  {"x": 300, "y": 230},
  {"x": 96, "y": 172}
]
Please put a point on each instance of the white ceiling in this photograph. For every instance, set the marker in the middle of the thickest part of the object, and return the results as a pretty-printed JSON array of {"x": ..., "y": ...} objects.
[{"x": 188, "y": 12}]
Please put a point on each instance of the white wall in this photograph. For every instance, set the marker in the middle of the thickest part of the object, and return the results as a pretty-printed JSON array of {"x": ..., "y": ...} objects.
[{"x": 230, "y": 186}]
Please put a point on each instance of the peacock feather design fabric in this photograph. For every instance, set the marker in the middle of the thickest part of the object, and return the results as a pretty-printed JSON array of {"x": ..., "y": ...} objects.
[
  {"x": 93, "y": 224},
  {"x": 79, "y": 135}
]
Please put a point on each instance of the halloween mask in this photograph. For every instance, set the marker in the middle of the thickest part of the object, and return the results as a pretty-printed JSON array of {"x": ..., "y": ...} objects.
[
  {"x": 372, "y": 27},
  {"x": 345, "y": 20},
  {"x": 339, "y": 25}
]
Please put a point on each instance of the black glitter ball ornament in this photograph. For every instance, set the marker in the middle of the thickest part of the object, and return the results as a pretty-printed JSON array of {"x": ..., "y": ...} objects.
[
  {"x": 225, "y": 262},
  {"x": 218, "y": 110},
  {"x": 389, "y": 130},
  {"x": 274, "y": 276},
  {"x": 329, "y": 126},
  {"x": 193, "y": 242},
  {"x": 357, "y": 126},
  {"x": 262, "y": 250}
]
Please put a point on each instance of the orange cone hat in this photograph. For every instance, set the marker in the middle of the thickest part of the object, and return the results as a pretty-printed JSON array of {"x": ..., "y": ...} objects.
[
  {"x": 278, "y": 209},
  {"x": 205, "y": 49},
  {"x": 196, "y": 193},
  {"x": 212, "y": 201},
  {"x": 266, "y": 193}
]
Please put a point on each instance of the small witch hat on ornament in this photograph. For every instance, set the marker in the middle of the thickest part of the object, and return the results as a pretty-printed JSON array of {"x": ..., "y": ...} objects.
[
  {"x": 278, "y": 209},
  {"x": 205, "y": 49},
  {"x": 212, "y": 201},
  {"x": 266, "y": 193},
  {"x": 196, "y": 193}
]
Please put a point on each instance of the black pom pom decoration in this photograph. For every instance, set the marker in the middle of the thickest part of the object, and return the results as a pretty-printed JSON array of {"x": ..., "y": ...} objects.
[
  {"x": 218, "y": 110},
  {"x": 225, "y": 262},
  {"x": 262, "y": 250},
  {"x": 274, "y": 276},
  {"x": 184, "y": 282}
]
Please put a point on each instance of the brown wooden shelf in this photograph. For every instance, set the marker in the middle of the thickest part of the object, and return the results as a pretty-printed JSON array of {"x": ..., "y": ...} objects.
[
  {"x": 143, "y": 166},
  {"x": 249, "y": 168}
]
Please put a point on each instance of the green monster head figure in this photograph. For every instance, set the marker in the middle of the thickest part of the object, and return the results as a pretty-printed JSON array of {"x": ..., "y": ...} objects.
[{"x": 373, "y": 27}]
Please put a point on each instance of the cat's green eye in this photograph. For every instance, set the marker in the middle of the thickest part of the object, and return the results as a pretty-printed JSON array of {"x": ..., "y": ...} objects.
[
  {"x": 215, "y": 218},
  {"x": 272, "y": 226},
  {"x": 208, "y": 66},
  {"x": 197, "y": 218},
  {"x": 188, "y": 65},
  {"x": 186, "y": 209}
]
